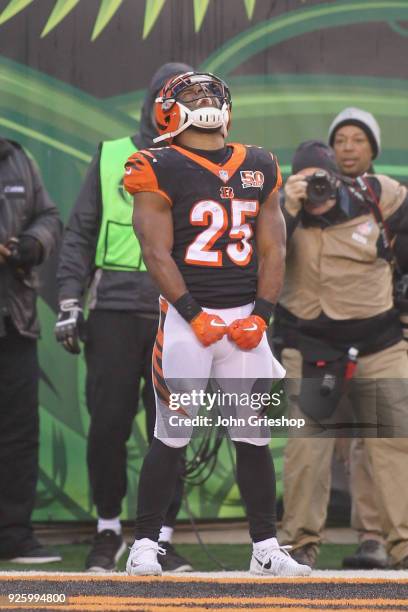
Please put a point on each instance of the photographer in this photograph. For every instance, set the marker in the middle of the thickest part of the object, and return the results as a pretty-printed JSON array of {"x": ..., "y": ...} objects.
[
  {"x": 355, "y": 137},
  {"x": 337, "y": 296},
  {"x": 29, "y": 230}
]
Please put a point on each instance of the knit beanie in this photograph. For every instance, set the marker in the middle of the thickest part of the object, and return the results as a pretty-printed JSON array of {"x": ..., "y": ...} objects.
[
  {"x": 362, "y": 119},
  {"x": 314, "y": 154}
]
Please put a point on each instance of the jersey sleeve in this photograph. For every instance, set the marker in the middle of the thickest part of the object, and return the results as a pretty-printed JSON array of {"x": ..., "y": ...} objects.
[
  {"x": 272, "y": 176},
  {"x": 140, "y": 175}
]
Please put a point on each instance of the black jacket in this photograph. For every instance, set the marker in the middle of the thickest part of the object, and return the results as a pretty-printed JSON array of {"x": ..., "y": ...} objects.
[
  {"x": 77, "y": 274},
  {"x": 26, "y": 209}
]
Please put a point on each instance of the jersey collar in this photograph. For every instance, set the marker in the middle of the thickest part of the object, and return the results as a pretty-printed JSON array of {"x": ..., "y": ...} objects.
[{"x": 224, "y": 171}]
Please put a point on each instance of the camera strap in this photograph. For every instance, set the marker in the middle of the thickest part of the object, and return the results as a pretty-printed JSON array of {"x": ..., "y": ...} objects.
[{"x": 372, "y": 200}]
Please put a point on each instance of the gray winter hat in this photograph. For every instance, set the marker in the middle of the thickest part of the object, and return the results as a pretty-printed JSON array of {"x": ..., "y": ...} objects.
[{"x": 362, "y": 119}]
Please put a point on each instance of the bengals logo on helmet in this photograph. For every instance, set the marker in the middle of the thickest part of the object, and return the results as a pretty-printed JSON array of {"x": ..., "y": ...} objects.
[{"x": 167, "y": 120}]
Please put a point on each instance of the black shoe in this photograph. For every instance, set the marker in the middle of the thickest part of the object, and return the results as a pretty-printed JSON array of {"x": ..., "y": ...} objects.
[
  {"x": 172, "y": 561},
  {"x": 31, "y": 551},
  {"x": 370, "y": 554},
  {"x": 403, "y": 564},
  {"x": 306, "y": 554},
  {"x": 107, "y": 549}
]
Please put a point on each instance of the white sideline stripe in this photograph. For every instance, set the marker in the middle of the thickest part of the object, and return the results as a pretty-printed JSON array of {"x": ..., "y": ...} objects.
[{"x": 387, "y": 574}]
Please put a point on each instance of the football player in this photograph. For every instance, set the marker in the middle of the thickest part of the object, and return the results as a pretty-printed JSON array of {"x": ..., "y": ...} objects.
[{"x": 213, "y": 238}]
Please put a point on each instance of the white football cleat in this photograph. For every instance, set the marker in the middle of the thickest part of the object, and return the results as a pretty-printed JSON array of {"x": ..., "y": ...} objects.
[
  {"x": 142, "y": 559},
  {"x": 270, "y": 559}
]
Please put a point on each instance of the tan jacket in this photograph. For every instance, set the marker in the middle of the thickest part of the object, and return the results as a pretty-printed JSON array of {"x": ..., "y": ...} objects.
[{"x": 336, "y": 270}]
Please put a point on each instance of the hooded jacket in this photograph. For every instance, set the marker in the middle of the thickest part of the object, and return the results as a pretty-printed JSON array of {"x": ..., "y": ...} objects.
[
  {"x": 108, "y": 289},
  {"x": 26, "y": 209}
]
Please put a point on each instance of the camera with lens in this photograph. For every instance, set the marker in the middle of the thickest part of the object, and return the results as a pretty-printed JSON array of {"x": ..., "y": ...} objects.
[{"x": 321, "y": 186}]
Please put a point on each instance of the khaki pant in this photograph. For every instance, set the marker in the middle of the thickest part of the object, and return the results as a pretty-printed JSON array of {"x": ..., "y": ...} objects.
[
  {"x": 365, "y": 518},
  {"x": 307, "y": 461}
]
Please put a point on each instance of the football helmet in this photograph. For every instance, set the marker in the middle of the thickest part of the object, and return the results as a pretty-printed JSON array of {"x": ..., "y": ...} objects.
[{"x": 177, "y": 107}]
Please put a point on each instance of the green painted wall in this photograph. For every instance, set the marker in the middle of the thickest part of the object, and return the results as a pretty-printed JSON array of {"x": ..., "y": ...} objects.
[{"x": 58, "y": 114}]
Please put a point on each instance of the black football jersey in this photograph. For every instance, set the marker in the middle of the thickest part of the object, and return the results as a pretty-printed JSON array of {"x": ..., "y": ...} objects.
[{"x": 214, "y": 208}]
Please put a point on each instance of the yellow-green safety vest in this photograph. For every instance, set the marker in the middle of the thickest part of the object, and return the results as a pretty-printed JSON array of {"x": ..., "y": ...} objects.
[{"x": 117, "y": 247}]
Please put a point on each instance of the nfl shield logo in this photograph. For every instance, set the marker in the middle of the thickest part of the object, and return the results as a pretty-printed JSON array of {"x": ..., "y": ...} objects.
[{"x": 224, "y": 176}]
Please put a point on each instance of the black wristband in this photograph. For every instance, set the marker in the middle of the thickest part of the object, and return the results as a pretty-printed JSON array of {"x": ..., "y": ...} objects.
[
  {"x": 187, "y": 307},
  {"x": 263, "y": 308}
]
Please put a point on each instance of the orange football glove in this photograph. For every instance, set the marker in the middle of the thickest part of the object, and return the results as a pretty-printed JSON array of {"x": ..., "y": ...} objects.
[
  {"x": 208, "y": 328},
  {"x": 247, "y": 333}
]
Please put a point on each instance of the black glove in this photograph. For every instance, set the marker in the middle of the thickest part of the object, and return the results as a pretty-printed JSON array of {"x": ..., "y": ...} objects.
[
  {"x": 26, "y": 252},
  {"x": 69, "y": 328}
]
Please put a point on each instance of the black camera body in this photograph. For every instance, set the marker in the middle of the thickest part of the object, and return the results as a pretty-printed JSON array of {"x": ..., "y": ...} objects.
[{"x": 321, "y": 186}]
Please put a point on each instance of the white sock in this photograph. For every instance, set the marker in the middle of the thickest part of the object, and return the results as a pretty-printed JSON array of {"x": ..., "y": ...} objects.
[
  {"x": 166, "y": 534},
  {"x": 265, "y": 543},
  {"x": 112, "y": 524}
]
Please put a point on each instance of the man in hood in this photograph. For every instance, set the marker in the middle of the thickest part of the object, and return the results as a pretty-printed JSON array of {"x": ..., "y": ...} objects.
[
  {"x": 101, "y": 263},
  {"x": 30, "y": 229}
]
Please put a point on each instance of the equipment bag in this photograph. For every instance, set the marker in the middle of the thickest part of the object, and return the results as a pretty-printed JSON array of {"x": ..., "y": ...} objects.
[{"x": 323, "y": 377}]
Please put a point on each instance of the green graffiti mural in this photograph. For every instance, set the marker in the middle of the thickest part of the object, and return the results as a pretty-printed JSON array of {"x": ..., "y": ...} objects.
[
  {"x": 60, "y": 125},
  {"x": 313, "y": 19},
  {"x": 107, "y": 10}
]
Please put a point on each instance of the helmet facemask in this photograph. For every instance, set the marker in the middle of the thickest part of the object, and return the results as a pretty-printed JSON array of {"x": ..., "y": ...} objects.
[{"x": 178, "y": 107}]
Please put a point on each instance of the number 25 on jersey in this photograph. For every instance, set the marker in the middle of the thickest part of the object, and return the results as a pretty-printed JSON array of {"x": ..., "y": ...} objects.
[{"x": 214, "y": 216}]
